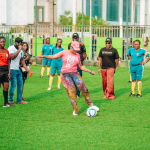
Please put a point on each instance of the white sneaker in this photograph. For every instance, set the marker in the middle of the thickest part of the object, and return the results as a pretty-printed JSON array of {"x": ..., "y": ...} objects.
[
  {"x": 78, "y": 97},
  {"x": 74, "y": 113},
  {"x": 58, "y": 88},
  {"x": 95, "y": 107},
  {"x": 49, "y": 88}
]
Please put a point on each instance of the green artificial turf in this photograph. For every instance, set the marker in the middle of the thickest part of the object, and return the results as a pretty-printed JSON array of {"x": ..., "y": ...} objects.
[{"x": 46, "y": 122}]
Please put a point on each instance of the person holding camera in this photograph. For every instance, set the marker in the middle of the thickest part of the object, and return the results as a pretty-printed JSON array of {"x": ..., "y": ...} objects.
[{"x": 16, "y": 55}]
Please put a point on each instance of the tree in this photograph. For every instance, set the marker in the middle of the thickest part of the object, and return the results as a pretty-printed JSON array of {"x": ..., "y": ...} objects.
[{"x": 66, "y": 19}]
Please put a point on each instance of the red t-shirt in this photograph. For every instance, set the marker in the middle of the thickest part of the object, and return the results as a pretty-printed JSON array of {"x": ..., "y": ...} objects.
[{"x": 4, "y": 56}]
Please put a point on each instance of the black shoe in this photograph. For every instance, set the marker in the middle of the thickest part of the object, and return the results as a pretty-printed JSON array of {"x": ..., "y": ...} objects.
[
  {"x": 129, "y": 82},
  {"x": 48, "y": 76},
  {"x": 8, "y": 105},
  {"x": 132, "y": 94},
  {"x": 40, "y": 76},
  {"x": 138, "y": 95}
]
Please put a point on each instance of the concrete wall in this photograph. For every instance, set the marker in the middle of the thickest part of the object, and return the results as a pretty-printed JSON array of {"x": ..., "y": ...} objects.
[
  {"x": 16, "y": 12},
  {"x": 67, "y": 5},
  {"x": 46, "y": 6},
  {"x": 2, "y": 12},
  {"x": 20, "y": 12}
]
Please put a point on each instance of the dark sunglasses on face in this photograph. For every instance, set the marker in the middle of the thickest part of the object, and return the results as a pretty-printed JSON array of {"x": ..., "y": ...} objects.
[{"x": 108, "y": 43}]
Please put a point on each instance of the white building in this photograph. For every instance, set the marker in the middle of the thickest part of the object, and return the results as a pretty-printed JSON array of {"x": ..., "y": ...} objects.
[
  {"x": 21, "y": 12},
  {"x": 114, "y": 11},
  {"x": 16, "y": 12}
]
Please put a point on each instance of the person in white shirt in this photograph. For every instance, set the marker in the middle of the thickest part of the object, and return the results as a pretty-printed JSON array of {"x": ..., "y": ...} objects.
[{"x": 16, "y": 55}]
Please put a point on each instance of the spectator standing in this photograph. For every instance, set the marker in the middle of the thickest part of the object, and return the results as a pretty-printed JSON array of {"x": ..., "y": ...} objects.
[
  {"x": 107, "y": 63},
  {"x": 46, "y": 50},
  {"x": 4, "y": 70},
  {"x": 16, "y": 55},
  {"x": 26, "y": 58}
]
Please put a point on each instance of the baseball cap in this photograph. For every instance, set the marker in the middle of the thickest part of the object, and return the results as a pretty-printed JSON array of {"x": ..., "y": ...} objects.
[
  {"x": 75, "y": 45},
  {"x": 109, "y": 40},
  {"x": 18, "y": 40},
  {"x": 75, "y": 35}
]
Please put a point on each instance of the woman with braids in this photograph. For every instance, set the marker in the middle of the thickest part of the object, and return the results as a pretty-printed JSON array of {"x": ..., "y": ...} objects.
[
  {"x": 70, "y": 76},
  {"x": 26, "y": 57},
  {"x": 56, "y": 64},
  {"x": 4, "y": 70}
]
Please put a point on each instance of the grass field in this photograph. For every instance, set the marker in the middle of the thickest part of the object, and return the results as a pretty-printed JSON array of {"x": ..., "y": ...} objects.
[{"x": 47, "y": 121}]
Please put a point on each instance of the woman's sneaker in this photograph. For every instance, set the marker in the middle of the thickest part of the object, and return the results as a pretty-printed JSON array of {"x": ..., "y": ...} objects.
[
  {"x": 74, "y": 113},
  {"x": 138, "y": 95},
  {"x": 95, "y": 107},
  {"x": 58, "y": 88},
  {"x": 49, "y": 88},
  {"x": 8, "y": 105}
]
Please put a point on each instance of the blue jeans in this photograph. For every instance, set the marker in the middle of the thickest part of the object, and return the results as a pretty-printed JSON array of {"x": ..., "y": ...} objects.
[
  {"x": 16, "y": 79},
  {"x": 80, "y": 72}
]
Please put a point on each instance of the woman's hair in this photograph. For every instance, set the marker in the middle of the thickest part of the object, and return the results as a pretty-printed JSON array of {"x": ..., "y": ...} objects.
[
  {"x": 58, "y": 40},
  {"x": 27, "y": 45},
  {"x": 47, "y": 38},
  {"x": 137, "y": 41},
  {"x": 2, "y": 37}
]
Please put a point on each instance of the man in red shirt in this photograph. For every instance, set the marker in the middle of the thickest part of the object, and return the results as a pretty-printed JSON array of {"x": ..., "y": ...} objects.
[{"x": 4, "y": 70}]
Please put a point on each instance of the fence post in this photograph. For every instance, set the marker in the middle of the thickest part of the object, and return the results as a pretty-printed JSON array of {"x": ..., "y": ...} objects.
[
  {"x": 35, "y": 30},
  {"x": 126, "y": 33}
]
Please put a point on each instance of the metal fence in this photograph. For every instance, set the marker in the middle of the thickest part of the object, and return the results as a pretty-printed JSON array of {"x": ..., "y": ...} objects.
[
  {"x": 66, "y": 30},
  {"x": 27, "y": 32}
]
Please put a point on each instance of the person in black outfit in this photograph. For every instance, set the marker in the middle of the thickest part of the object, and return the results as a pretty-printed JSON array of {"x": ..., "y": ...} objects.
[{"x": 107, "y": 63}]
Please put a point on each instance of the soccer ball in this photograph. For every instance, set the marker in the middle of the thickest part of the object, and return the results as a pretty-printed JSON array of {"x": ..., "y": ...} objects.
[
  {"x": 34, "y": 63},
  {"x": 91, "y": 112}
]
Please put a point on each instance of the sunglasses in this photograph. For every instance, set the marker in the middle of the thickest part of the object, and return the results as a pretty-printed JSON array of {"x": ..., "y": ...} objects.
[{"x": 108, "y": 43}]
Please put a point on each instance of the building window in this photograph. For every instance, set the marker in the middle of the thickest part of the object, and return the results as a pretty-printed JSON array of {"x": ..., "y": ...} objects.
[
  {"x": 137, "y": 11},
  {"x": 112, "y": 10},
  {"x": 96, "y": 8},
  {"x": 40, "y": 14},
  {"x": 129, "y": 10}
]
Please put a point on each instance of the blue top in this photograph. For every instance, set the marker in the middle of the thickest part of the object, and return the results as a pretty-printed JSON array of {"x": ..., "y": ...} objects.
[
  {"x": 55, "y": 51},
  {"x": 137, "y": 56},
  {"x": 47, "y": 49}
]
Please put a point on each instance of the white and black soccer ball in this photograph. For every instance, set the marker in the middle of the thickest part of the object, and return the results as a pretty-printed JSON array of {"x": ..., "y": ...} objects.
[{"x": 91, "y": 112}]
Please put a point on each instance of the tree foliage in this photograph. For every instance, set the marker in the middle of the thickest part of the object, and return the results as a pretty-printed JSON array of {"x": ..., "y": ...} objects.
[{"x": 66, "y": 19}]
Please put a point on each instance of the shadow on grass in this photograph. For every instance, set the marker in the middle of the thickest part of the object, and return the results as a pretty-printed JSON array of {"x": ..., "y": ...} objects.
[
  {"x": 144, "y": 79},
  {"x": 46, "y": 95},
  {"x": 122, "y": 91},
  {"x": 96, "y": 103},
  {"x": 145, "y": 91}
]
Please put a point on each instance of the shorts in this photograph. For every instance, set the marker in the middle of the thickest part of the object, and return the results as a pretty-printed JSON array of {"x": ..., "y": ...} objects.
[
  {"x": 53, "y": 70},
  {"x": 137, "y": 72},
  {"x": 4, "y": 74},
  {"x": 56, "y": 65},
  {"x": 46, "y": 61},
  {"x": 24, "y": 75}
]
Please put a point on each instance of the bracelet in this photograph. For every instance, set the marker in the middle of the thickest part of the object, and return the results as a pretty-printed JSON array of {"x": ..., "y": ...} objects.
[{"x": 91, "y": 72}]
